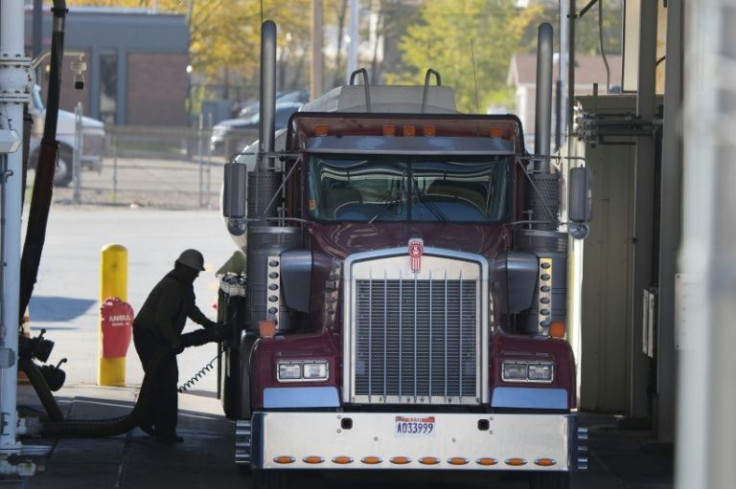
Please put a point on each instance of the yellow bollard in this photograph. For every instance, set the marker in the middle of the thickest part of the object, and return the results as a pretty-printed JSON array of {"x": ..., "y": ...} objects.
[{"x": 113, "y": 283}]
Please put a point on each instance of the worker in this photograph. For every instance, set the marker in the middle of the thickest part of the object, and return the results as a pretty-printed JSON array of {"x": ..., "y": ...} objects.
[{"x": 158, "y": 326}]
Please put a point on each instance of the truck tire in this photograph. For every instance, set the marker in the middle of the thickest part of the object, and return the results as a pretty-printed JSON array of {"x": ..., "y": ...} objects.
[
  {"x": 63, "y": 172},
  {"x": 549, "y": 480}
]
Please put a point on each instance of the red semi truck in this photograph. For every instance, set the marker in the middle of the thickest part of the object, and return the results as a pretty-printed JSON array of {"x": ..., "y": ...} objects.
[{"x": 403, "y": 300}]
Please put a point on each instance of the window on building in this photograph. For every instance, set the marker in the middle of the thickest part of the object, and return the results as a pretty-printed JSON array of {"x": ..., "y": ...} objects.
[{"x": 109, "y": 87}]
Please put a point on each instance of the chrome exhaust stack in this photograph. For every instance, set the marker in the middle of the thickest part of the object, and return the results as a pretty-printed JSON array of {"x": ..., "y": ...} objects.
[{"x": 545, "y": 194}]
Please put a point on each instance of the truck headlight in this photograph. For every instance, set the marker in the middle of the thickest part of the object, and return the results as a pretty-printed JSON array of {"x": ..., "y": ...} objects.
[
  {"x": 514, "y": 371},
  {"x": 289, "y": 371},
  {"x": 315, "y": 371},
  {"x": 541, "y": 372},
  {"x": 302, "y": 371},
  {"x": 525, "y": 371}
]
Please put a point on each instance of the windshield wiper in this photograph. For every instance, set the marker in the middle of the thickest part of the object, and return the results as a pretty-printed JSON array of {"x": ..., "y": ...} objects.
[
  {"x": 432, "y": 206},
  {"x": 386, "y": 201}
]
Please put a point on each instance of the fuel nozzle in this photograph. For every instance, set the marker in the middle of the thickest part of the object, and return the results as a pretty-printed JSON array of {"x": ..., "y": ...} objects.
[
  {"x": 37, "y": 347},
  {"x": 53, "y": 375}
]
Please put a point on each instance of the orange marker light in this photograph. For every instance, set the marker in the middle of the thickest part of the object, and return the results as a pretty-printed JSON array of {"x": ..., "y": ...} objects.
[
  {"x": 389, "y": 130},
  {"x": 557, "y": 329},
  {"x": 429, "y": 461},
  {"x": 545, "y": 462},
  {"x": 408, "y": 131},
  {"x": 496, "y": 132},
  {"x": 321, "y": 130},
  {"x": 267, "y": 329},
  {"x": 515, "y": 462},
  {"x": 458, "y": 461},
  {"x": 400, "y": 460},
  {"x": 313, "y": 459},
  {"x": 486, "y": 461},
  {"x": 284, "y": 459},
  {"x": 429, "y": 130},
  {"x": 371, "y": 460},
  {"x": 342, "y": 460}
]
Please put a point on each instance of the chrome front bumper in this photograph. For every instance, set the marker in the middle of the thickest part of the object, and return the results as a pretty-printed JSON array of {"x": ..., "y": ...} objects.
[{"x": 309, "y": 440}]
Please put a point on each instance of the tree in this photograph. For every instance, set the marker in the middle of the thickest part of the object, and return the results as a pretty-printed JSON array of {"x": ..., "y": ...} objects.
[{"x": 470, "y": 42}]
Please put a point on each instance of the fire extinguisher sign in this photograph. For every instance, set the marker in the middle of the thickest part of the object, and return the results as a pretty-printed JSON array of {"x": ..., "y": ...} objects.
[{"x": 117, "y": 327}]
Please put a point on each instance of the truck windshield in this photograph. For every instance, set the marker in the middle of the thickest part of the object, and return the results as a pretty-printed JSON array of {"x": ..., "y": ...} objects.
[{"x": 408, "y": 188}]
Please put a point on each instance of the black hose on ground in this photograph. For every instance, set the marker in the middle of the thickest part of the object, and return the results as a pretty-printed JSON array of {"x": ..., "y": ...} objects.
[
  {"x": 112, "y": 426},
  {"x": 33, "y": 372},
  {"x": 117, "y": 426}
]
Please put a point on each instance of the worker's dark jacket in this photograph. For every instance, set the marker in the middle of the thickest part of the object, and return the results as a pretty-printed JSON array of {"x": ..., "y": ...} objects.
[{"x": 167, "y": 307}]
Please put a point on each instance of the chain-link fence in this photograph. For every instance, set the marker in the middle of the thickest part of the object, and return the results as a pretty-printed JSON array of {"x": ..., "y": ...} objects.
[{"x": 155, "y": 166}]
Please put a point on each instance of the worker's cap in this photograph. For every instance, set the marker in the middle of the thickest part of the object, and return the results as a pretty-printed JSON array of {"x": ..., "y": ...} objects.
[{"x": 192, "y": 259}]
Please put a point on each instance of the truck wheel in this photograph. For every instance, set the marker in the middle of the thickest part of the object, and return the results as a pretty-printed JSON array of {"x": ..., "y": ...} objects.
[
  {"x": 549, "y": 480},
  {"x": 63, "y": 170},
  {"x": 271, "y": 479}
]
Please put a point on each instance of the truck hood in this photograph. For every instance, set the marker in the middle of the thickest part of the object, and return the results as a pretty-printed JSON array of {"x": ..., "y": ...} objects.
[{"x": 341, "y": 240}]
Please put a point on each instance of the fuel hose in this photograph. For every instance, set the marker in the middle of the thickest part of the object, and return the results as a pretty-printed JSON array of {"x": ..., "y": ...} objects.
[{"x": 57, "y": 426}]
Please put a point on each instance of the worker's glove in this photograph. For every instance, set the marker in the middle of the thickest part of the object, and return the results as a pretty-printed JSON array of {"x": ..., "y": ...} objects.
[{"x": 223, "y": 331}]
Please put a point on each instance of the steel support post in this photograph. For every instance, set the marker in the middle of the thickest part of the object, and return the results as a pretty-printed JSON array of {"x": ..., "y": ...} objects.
[
  {"x": 15, "y": 87},
  {"x": 643, "y": 221},
  {"x": 669, "y": 228},
  {"x": 706, "y": 284}
]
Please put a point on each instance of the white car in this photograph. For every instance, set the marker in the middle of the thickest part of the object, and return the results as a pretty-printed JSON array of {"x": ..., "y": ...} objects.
[{"x": 93, "y": 140}]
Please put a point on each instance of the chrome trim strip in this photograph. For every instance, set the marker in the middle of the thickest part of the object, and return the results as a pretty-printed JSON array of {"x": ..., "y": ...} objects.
[{"x": 529, "y": 398}]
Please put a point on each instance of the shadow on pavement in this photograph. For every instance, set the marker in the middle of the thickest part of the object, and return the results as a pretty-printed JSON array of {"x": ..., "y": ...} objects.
[{"x": 58, "y": 308}]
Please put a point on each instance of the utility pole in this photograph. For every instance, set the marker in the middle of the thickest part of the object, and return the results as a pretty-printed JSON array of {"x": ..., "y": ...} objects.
[
  {"x": 315, "y": 79},
  {"x": 352, "y": 61}
]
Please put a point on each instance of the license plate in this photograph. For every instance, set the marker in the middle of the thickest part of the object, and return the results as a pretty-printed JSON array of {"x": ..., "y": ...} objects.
[{"x": 414, "y": 426}]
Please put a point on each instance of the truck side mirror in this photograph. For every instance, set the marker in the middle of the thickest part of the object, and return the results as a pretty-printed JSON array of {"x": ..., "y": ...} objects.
[
  {"x": 235, "y": 188},
  {"x": 580, "y": 210}
]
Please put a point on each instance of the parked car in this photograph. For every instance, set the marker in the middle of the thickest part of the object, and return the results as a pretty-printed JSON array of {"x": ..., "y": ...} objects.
[
  {"x": 250, "y": 108},
  {"x": 93, "y": 140},
  {"x": 230, "y": 135}
]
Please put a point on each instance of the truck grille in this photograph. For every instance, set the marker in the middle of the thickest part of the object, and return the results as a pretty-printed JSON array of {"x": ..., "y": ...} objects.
[{"x": 416, "y": 339}]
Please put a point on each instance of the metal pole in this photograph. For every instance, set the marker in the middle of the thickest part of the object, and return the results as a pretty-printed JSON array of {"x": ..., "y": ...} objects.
[
  {"x": 15, "y": 76},
  {"x": 114, "y": 167},
  {"x": 315, "y": 81},
  {"x": 209, "y": 158},
  {"x": 113, "y": 283},
  {"x": 77, "y": 156},
  {"x": 563, "y": 61},
  {"x": 352, "y": 61},
  {"x": 671, "y": 216},
  {"x": 200, "y": 153},
  {"x": 642, "y": 246},
  {"x": 569, "y": 118}
]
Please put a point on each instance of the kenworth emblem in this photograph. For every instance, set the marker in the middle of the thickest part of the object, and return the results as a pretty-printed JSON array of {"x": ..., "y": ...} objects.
[{"x": 416, "y": 250}]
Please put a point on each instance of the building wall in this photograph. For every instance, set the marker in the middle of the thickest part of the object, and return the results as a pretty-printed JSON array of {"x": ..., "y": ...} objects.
[
  {"x": 136, "y": 64},
  {"x": 157, "y": 90}
]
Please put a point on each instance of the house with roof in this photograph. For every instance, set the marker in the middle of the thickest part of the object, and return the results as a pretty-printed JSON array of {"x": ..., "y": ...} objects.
[{"x": 589, "y": 71}]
